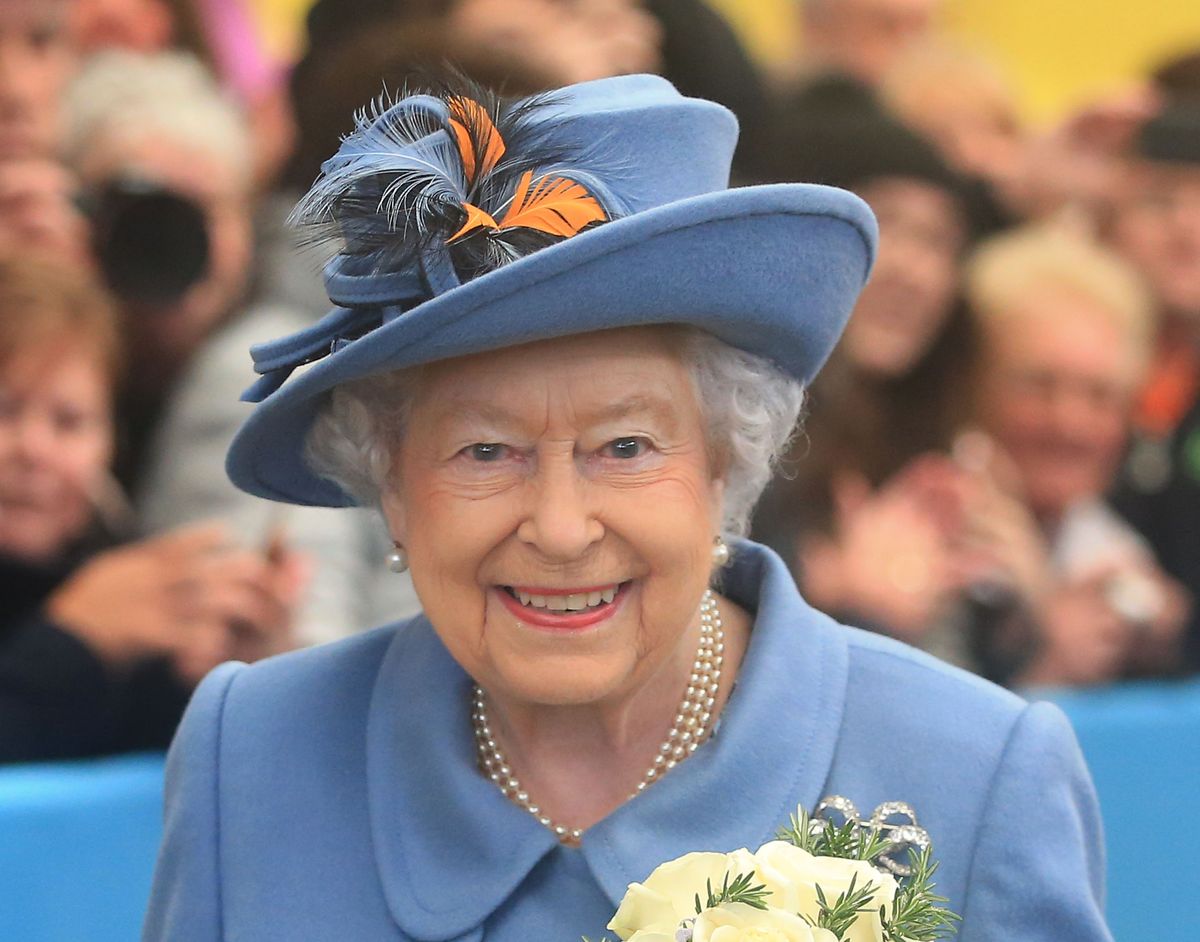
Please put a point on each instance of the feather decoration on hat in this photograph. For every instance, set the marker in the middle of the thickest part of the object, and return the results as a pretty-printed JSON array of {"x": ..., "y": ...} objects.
[{"x": 437, "y": 170}]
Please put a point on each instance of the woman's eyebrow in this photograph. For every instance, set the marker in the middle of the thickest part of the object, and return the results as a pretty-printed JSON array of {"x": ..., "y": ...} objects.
[
  {"x": 491, "y": 413},
  {"x": 480, "y": 410},
  {"x": 656, "y": 407}
]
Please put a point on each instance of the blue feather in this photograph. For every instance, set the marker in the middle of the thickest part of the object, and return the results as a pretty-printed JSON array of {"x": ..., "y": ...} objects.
[
  {"x": 397, "y": 186},
  {"x": 398, "y": 170}
]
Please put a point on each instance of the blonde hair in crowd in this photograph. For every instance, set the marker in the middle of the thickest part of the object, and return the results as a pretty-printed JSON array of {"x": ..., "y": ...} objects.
[{"x": 1008, "y": 268}]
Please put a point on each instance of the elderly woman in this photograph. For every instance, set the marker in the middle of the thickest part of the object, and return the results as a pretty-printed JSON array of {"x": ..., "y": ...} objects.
[{"x": 562, "y": 359}]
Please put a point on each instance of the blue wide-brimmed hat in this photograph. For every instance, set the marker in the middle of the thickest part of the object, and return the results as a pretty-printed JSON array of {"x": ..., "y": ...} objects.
[{"x": 468, "y": 224}]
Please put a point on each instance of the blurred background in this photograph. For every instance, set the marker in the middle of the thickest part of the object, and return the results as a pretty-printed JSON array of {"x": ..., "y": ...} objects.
[{"x": 1000, "y": 464}]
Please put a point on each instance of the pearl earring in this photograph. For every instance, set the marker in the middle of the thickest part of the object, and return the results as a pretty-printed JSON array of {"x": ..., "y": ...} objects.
[
  {"x": 397, "y": 559},
  {"x": 720, "y": 552}
]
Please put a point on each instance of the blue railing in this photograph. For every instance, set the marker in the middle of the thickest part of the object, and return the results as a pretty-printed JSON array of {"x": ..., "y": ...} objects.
[
  {"x": 77, "y": 848},
  {"x": 78, "y": 840}
]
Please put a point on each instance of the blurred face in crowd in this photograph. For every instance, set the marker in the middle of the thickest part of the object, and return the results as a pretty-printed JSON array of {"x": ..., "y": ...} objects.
[
  {"x": 55, "y": 442},
  {"x": 140, "y": 25},
  {"x": 865, "y": 37},
  {"x": 1055, "y": 393},
  {"x": 163, "y": 336},
  {"x": 560, "y": 43},
  {"x": 914, "y": 283},
  {"x": 961, "y": 107},
  {"x": 1157, "y": 227},
  {"x": 36, "y": 61}
]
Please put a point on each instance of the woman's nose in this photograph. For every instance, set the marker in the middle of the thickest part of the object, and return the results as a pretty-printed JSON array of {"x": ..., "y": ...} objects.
[{"x": 560, "y": 523}]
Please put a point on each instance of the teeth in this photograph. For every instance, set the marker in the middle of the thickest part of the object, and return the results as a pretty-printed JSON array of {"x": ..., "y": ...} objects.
[{"x": 577, "y": 602}]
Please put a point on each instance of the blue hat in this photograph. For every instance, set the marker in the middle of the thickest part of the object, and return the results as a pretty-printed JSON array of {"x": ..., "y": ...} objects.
[{"x": 613, "y": 210}]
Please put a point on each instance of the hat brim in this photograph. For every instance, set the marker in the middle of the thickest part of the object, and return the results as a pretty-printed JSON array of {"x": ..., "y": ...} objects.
[{"x": 773, "y": 270}]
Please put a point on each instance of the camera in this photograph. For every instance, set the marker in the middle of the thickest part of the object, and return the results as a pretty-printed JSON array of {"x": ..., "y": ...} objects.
[{"x": 151, "y": 242}]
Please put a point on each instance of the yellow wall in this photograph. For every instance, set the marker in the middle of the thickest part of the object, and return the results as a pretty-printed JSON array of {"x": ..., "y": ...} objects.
[
  {"x": 282, "y": 25},
  {"x": 1058, "y": 53}
]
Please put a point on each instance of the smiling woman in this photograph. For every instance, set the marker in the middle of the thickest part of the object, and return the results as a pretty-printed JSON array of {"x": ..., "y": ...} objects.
[
  {"x": 559, "y": 502},
  {"x": 563, "y": 359}
]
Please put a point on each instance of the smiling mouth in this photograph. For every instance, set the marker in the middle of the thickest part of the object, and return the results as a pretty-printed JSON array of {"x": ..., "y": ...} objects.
[{"x": 567, "y": 603}]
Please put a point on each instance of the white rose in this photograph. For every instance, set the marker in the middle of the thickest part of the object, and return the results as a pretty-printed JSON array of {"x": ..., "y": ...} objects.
[
  {"x": 669, "y": 894},
  {"x": 737, "y": 922},
  {"x": 792, "y": 876}
]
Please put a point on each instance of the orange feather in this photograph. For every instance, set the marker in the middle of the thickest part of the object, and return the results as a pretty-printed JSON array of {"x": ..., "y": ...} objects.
[
  {"x": 468, "y": 115},
  {"x": 556, "y": 205},
  {"x": 476, "y": 219}
]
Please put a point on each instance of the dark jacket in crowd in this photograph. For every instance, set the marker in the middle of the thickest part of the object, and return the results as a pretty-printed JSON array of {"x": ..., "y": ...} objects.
[
  {"x": 58, "y": 700},
  {"x": 1159, "y": 493}
]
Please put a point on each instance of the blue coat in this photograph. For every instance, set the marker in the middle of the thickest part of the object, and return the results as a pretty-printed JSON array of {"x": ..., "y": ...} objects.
[{"x": 332, "y": 794}]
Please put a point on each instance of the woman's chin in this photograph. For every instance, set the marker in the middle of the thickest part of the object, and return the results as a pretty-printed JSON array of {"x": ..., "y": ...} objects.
[{"x": 562, "y": 681}]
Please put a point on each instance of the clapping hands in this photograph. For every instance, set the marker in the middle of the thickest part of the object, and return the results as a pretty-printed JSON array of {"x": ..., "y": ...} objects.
[{"x": 188, "y": 595}]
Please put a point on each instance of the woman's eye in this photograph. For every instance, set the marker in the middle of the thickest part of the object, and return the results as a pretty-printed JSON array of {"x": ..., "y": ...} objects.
[
  {"x": 485, "y": 451},
  {"x": 626, "y": 448}
]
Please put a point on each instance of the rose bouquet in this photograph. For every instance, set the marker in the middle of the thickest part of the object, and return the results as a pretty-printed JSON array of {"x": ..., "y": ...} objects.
[{"x": 821, "y": 881}]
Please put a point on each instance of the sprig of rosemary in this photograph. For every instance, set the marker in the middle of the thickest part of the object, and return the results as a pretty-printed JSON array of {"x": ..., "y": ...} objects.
[
  {"x": 849, "y": 841},
  {"x": 741, "y": 890},
  {"x": 917, "y": 915},
  {"x": 844, "y": 912}
]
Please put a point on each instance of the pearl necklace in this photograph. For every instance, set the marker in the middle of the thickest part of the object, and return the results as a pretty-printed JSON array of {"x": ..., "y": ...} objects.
[{"x": 692, "y": 725}]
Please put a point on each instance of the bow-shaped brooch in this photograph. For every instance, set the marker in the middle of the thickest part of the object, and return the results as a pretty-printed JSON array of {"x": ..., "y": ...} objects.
[{"x": 895, "y": 821}]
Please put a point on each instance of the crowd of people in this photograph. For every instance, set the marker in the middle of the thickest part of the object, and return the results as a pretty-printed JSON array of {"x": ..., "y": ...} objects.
[{"x": 1000, "y": 464}]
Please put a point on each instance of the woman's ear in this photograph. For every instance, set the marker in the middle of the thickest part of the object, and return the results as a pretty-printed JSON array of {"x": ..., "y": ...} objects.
[
  {"x": 717, "y": 501},
  {"x": 394, "y": 512}
]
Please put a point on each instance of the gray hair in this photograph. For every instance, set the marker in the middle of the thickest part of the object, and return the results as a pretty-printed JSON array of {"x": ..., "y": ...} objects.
[
  {"x": 750, "y": 408},
  {"x": 129, "y": 96}
]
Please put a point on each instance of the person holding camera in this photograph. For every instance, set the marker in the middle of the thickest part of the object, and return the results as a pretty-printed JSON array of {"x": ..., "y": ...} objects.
[
  {"x": 165, "y": 165},
  {"x": 1068, "y": 329}
]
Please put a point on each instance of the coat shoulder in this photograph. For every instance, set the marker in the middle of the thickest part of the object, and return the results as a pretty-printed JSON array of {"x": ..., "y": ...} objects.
[
  {"x": 905, "y": 693},
  {"x": 309, "y": 689}
]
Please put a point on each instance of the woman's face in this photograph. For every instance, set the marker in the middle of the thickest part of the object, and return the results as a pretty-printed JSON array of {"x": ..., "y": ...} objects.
[
  {"x": 1055, "y": 394},
  {"x": 1157, "y": 227},
  {"x": 55, "y": 442},
  {"x": 574, "y": 471},
  {"x": 914, "y": 282}
]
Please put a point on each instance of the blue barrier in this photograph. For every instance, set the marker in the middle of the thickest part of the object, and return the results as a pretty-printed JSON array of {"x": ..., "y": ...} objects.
[
  {"x": 77, "y": 848},
  {"x": 1142, "y": 743},
  {"x": 78, "y": 840}
]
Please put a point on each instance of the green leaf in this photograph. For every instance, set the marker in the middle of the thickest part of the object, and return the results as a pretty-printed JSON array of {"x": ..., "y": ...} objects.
[
  {"x": 844, "y": 912},
  {"x": 918, "y": 914},
  {"x": 741, "y": 890}
]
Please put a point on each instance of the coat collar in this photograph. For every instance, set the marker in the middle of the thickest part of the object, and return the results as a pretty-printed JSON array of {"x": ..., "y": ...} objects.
[
  {"x": 451, "y": 849},
  {"x": 772, "y": 750}
]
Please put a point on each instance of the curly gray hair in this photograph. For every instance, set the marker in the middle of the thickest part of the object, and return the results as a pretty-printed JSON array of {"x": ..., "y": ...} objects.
[{"x": 751, "y": 410}]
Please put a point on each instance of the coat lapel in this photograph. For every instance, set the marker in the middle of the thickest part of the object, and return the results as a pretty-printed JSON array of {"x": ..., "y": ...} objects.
[
  {"x": 773, "y": 749},
  {"x": 450, "y": 848}
]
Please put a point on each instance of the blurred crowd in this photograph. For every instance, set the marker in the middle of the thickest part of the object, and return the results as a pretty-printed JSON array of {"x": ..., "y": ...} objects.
[{"x": 1000, "y": 464}]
